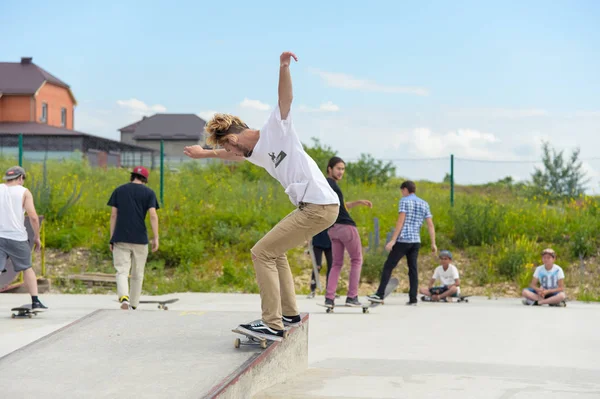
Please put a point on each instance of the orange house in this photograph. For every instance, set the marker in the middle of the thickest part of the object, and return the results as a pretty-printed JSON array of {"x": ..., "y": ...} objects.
[{"x": 28, "y": 93}]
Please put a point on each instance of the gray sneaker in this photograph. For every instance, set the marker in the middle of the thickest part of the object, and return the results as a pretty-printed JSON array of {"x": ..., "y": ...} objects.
[
  {"x": 353, "y": 302},
  {"x": 329, "y": 303}
]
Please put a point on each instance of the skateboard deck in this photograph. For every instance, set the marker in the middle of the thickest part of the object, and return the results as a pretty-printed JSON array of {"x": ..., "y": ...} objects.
[
  {"x": 392, "y": 285},
  {"x": 25, "y": 311},
  {"x": 461, "y": 298},
  {"x": 253, "y": 340},
  {"x": 162, "y": 304}
]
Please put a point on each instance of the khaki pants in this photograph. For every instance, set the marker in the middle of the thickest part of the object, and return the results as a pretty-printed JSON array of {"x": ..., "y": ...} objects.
[
  {"x": 273, "y": 274},
  {"x": 124, "y": 257}
]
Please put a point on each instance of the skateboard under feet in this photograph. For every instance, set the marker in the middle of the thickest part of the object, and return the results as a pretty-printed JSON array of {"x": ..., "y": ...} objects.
[
  {"x": 24, "y": 311},
  {"x": 392, "y": 285},
  {"x": 253, "y": 340}
]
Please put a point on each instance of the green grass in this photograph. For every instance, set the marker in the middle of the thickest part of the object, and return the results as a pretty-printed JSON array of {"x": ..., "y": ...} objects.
[{"x": 212, "y": 216}]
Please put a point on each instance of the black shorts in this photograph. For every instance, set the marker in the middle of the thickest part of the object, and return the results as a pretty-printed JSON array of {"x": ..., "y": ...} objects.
[{"x": 19, "y": 253}]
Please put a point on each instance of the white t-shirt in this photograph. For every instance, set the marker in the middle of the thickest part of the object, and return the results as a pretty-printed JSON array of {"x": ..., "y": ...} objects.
[
  {"x": 280, "y": 152},
  {"x": 549, "y": 278},
  {"x": 12, "y": 216},
  {"x": 447, "y": 277}
]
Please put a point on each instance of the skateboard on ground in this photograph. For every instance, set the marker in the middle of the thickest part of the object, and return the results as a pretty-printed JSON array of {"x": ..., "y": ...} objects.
[
  {"x": 162, "y": 304},
  {"x": 460, "y": 298},
  {"x": 392, "y": 285},
  {"x": 25, "y": 311},
  {"x": 252, "y": 339}
]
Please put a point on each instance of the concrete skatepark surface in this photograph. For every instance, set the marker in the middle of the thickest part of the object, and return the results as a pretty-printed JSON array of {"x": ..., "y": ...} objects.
[{"x": 481, "y": 349}]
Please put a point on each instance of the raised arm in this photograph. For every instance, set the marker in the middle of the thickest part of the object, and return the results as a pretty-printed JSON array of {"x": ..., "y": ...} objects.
[
  {"x": 197, "y": 152},
  {"x": 285, "y": 84}
]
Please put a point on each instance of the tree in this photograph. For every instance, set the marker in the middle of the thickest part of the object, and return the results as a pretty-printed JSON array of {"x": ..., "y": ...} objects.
[
  {"x": 559, "y": 178},
  {"x": 369, "y": 170}
]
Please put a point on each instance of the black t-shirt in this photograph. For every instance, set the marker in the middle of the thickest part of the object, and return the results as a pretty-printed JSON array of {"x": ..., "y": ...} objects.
[
  {"x": 133, "y": 201},
  {"x": 343, "y": 216}
]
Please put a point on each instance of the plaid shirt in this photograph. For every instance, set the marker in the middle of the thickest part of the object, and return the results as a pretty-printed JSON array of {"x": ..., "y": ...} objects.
[{"x": 417, "y": 210}]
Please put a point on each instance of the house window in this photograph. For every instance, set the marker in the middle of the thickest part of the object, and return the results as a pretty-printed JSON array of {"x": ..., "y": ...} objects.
[
  {"x": 44, "y": 118},
  {"x": 63, "y": 117}
]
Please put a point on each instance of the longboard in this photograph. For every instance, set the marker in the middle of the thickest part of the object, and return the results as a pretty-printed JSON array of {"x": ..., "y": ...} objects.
[
  {"x": 25, "y": 311},
  {"x": 253, "y": 339},
  {"x": 392, "y": 285}
]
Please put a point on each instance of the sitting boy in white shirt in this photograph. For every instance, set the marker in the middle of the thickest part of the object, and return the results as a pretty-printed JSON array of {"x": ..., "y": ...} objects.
[
  {"x": 447, "y": 274},
  {"x": 551, "y": 278}
]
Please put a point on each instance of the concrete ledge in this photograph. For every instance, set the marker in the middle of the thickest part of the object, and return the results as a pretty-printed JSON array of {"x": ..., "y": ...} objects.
[
  {"x": 150, "y": 354},
  {"x": 274, "y": 365}
]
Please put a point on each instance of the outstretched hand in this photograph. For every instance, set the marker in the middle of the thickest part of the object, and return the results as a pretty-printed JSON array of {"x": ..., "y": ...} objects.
[
  {"x": 367, "y": 203},
  {"x": 195, "y": 151},
  {"x": 286, "y": 58}
]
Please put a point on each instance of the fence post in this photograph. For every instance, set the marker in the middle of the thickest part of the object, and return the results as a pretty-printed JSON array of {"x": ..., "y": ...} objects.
[
  {"x": 451, "y": 179},
  {"x": 376, "y": 233},
  {"x": 162, "y": 173},
  {"x": 21, "y": 149}
]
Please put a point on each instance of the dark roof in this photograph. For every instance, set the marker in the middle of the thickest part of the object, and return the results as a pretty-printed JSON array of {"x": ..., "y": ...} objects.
[
  {"x": 35, "y": 129},
  {"x": 25, "y": 77},
  {"x": 38, "y": 129},
  {"x": 170, "y": 127},
  {"x": 131, "y": 128}
]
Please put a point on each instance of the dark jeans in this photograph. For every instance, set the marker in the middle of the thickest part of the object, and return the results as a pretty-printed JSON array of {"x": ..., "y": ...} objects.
[
  {"x": 400, "y": 249},
  {"x": 319, "y": 259}
]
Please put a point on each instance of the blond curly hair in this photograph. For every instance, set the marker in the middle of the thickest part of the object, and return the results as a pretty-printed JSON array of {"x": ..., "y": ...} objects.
[{"x": 221, "y": 126}]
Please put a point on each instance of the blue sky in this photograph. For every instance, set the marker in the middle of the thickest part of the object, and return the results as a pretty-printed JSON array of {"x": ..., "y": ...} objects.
[{"x": 480, "y": 79}]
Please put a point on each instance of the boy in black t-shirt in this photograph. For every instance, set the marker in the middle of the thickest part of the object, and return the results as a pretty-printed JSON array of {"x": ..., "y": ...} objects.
[{"x": 128, "y": 236}]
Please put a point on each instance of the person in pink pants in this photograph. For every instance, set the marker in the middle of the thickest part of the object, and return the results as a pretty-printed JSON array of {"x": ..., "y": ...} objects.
[{"x": 344, "y": 236}]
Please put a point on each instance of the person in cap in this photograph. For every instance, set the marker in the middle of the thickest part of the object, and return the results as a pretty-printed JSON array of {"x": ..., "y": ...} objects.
[
  {"x": 128, "y": 236},
  {"x": 547, "y": 285},
  {"x": 15, "y": 201},
  {"x": 447, "y": 274}
]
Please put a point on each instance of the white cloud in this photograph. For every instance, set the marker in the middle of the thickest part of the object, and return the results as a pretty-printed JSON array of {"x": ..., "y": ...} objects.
[
  {"x": 140, "y": 108},
  {"x": 462, "y": 142},
  {"x": 499, "y": 113},
  {"x": 329, "y": 107},
  {"x": 206, "y": 115},
  {"x": 325, "y": 107},
  {"x": 255, "y": 104},
  {"x": 349, "y": 82},
  {"x": 584, "y": 114}
]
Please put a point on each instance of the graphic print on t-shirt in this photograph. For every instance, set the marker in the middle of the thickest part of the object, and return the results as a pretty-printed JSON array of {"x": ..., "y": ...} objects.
[{"x": 277, "y": 159}]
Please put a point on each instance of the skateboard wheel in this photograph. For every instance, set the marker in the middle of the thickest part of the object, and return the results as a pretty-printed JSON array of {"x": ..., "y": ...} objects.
[
  {"x": 365, "y": 310},
  {"x": 12, "y": 316},
  {"x": 285, "y": 334},
  {"x": 329, "y": 310},
  {"x": 30, "y": 316},
  {"x": 263, "y": 344},
  {"x": 237, "y": 343},
  {"x": 166, "y": 308}
]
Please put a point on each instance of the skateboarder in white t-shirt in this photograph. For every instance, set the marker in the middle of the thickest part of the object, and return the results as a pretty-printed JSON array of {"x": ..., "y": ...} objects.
[
  {"x": 447, "y": 274},
  {"x": 277, "y": 148}
]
